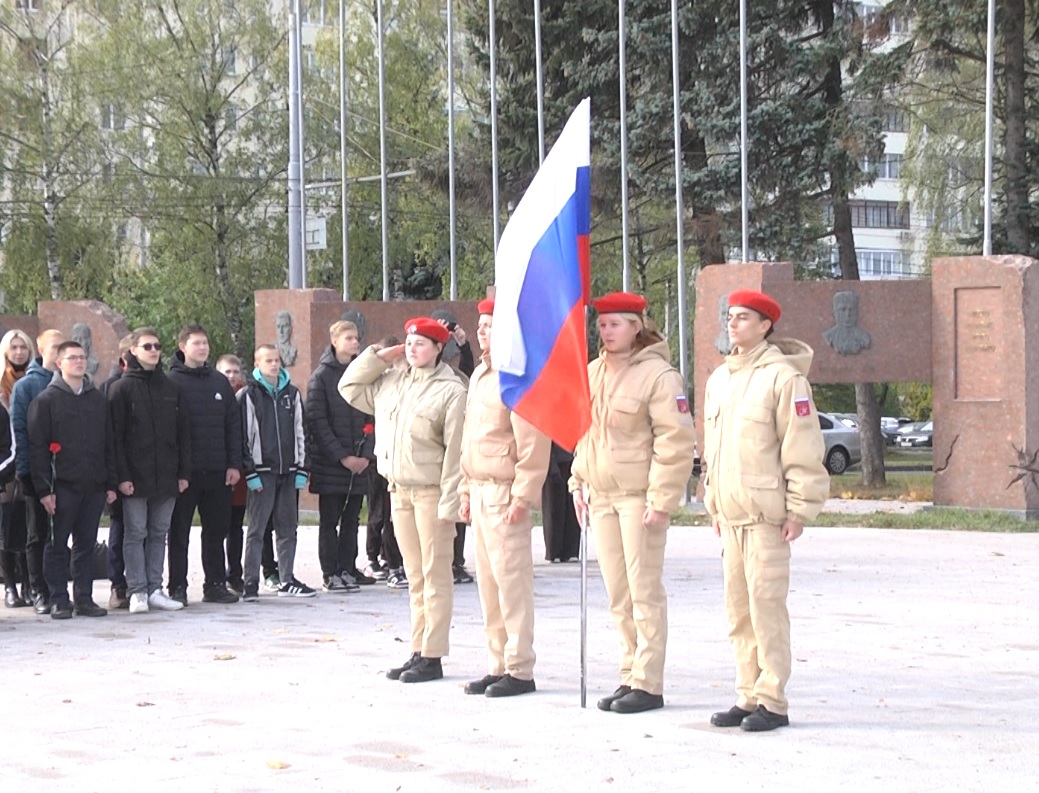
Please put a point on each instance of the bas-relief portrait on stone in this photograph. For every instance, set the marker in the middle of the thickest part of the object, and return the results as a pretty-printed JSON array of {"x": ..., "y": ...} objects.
[
  {"x": 358, "y": 318},
  {"x": 846, "y": 337},
  {"x": 82, "y": 335},
  {"x": 283, "y": 330},
  {"x": 721, "y": 343}
]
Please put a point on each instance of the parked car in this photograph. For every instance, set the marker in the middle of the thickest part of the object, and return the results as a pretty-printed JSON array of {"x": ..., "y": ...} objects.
[
  {"x": 849, "y": 419},
  {"x": 920, "y": 436},
  {"x": 890, "y": 427},
  {"x": 843, "y": 448}
]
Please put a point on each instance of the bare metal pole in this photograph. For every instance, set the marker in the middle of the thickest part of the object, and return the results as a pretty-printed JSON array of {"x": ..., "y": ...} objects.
[
  {"x": 344, "y": 224},
  {"x": 540, "y": 81},
  {"x": 621, "y": 26},
  {"x": 683, "y": 352},
  {"x": 294, "y": 191},
  {"x": 744, "y": 183},
  {"x": 302, "y": 149},
  {"x": 584, "y": 602},
  {"x": 382, "y": 155},
  {"x": 451, "y": 146},
  {"x": 990, "y": 69},
  {"x": 493, "y": 46}
]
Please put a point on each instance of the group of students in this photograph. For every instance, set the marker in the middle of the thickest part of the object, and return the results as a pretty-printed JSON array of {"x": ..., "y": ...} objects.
[{"x": 450, "y": 451}]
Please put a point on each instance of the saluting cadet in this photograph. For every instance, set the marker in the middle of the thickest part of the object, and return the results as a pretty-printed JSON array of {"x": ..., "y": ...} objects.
[
  {"x": 764, "y": 479},
  {"x": 419, "y": 413},
  {"x": 636, "y": 459},
  {"x": 504, "y": 464}
]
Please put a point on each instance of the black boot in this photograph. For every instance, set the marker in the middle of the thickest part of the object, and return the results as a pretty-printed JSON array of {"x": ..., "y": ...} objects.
[
  {"x": 480, "y": 686},
  {"x": 510, "y": 686},
  {"x": 397, "y": 671},
  {"x": 763, "y": 720},
  {"x": 605, "y": 702},
  {"x": 424, "y": 670},
  {"x": 732, "y": 717},
  {"x": 12, "y": 599},
  {"x": 637, "y": 701}
]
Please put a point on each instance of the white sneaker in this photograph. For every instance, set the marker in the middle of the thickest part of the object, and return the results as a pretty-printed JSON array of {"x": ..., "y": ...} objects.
[
  {"x": 159, "y": 601},
  {"x": 138, "y": 603}
]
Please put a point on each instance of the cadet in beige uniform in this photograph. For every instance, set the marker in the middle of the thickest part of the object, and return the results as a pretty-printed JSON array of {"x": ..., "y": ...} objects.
[
  {"x": 504, "y": 464},
  {"x": 636, "y": 460},
  {"x": 764, "y": 479},
  {"x": 418, "y": 415}
]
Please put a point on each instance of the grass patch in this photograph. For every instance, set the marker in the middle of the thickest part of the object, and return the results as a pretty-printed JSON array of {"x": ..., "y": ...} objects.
[
  {"x": 915, "y": 486},
  {"x": 895, "y": 458},
  {"x": 941, "y": 518}
]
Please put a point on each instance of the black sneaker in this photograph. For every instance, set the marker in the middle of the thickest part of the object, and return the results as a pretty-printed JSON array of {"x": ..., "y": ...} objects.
[
  {"x": 88, "y": 608},
  {"x": 62, "y": 610},
  {"x": 41, "y": 605},
  {"x": 180, "y": 594},
  {"x": 218, "y": 594},
  {"x": 355, "y": 577},
  {"x": 251, "y": 593},
  {"x": 397, "y": 579},
  {"x": 377, "y": 570},
  {"x": 397, "y": 671},
  {"x": 236, "y": 586},
  {"x": 510, "y": 686},
  {"x": 295, "y": 589},
  {"x": 424, "y": 670},
  {"x": 461, "y": 575}
]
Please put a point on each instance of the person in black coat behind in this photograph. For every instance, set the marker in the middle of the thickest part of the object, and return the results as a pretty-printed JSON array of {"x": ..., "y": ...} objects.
[
  {"x": 341, "y": 444},
  {"x": 153, "y": 462},
  {"x": 72, "y": 460},
  {"x": 562, "y": 530}
]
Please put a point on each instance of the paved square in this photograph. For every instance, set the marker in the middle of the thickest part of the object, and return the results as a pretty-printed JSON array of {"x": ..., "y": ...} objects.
[{"x": 916, "y": 657}]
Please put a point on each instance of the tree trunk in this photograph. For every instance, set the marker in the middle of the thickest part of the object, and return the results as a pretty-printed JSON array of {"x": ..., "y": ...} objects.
[
  {"x": 50, "y": 193},
  {"x": 220, "y": 226},
  {"x": 870, "y": 437},
  {"x": 1017, "y": 220}
]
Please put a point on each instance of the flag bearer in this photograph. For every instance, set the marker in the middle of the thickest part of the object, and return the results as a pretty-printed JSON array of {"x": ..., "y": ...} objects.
[{"x": 636, "y": 460}]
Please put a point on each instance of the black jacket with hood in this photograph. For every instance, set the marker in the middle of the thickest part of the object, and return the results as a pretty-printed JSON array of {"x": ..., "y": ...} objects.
[
  {"x": 216, "y": 424},
  {"x": 152, "y": 431},
  {"x": 80, "y": 427},
  {"x": 335, "y": 429}
]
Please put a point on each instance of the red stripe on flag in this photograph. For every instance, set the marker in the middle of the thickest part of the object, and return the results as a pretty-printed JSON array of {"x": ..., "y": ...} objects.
[{"x": 559, "y": 403}]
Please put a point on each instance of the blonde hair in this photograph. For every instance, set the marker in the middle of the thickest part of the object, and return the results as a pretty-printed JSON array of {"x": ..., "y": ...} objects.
[
  {"x": 337, "y": 329},
  {"x": 10, "y": 375},
  {"x": 46, "y": 336}
]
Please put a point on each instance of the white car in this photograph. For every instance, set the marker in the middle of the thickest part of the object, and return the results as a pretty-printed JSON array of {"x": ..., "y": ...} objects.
[{"x": 843, "y": 448}]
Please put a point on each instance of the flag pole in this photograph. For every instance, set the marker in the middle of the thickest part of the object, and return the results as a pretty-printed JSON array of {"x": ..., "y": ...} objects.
[
  {"x": 492, "y": 46},
  {"x": 744, "y": 186},
  {"x": 584, "y": 599},
  {"x": 343, "y": 219},
  {"x": 990, "y": 61},
  {"x": 683, "y": 343},
  {"x": 540, "y": 81},
  {"x": 451, "y": 146},
  {"x": 626, "y": 272},
  {"x": 382, "y": 156}
]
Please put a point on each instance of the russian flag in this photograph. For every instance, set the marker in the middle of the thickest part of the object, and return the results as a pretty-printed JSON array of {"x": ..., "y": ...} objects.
[{"x": 542, "y": 275}]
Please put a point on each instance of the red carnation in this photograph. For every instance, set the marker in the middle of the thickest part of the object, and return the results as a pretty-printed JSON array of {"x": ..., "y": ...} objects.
[
  {"x": 55, "y": 447},
  {"x": 369, "y": 429}
]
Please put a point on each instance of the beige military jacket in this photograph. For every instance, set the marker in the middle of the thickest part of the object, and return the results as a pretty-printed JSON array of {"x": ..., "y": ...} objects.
[
  {"x": 499, "y": 446},
  {"x": 418, "y": 418},
  {"x": 763, "y": 448},
  {"x": 641, "y": 437}
]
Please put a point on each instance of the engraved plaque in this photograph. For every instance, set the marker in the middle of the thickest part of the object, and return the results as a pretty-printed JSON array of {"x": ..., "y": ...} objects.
[{"x": 979, "y": 344}]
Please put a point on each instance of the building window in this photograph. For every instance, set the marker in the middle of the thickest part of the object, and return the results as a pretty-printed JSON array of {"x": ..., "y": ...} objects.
[
  {"x": 882, "y": 263},
  {"x": 879, "y": 215},
  {"x": 112, "y": 117},
  {"x": 896, "y": 120},
  {"x": 889, "y": 166},
  {"x": 228, "y": 59},
  {"x": 28, "y": 5}
]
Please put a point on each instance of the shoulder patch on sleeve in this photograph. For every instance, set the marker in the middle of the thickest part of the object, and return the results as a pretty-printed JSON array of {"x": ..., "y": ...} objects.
[
  {"x": 803, "y": 406},
  {"x": 683, "y": 403}
]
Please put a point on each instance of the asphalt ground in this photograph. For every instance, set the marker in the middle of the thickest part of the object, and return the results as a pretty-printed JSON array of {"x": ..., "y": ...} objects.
[{"x": 915, "y": 658}]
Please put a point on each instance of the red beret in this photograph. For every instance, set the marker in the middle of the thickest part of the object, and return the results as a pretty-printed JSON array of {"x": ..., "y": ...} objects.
[
  {"x": 430, "y": 328},
  {"x": 620, "y": 303},
  {"x": 485, "y": 306},
  {"x": 759, "y": 301}
]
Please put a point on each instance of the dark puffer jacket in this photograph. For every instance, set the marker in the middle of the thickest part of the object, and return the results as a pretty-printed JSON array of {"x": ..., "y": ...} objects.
[
  {"x": 216, "y": 424},
  {"x": 152, "y": 431},
  {"x": 80, "y": 426},
  {"x": 335, "y": 429}
]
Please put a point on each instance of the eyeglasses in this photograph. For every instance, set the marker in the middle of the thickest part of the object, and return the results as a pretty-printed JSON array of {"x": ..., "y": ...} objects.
[
  {"x": 75, "y": 358},
  {"x": 149, "y": 346}
]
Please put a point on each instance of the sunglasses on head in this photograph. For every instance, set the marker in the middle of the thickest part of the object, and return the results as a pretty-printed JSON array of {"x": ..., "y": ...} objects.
[{"x": 149, "y": 346}]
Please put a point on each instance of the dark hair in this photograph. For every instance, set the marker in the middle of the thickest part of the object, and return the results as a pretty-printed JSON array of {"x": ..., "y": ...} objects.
[
  {"x": 389, "y": 341},
  {"x": 68, "y": 345},
  {"x": 191, "y": 330}
]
